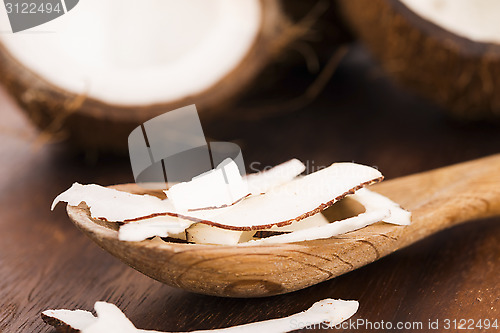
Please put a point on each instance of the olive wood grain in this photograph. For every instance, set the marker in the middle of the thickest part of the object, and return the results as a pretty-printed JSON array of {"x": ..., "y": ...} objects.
[{"x": 438, "y": 199}]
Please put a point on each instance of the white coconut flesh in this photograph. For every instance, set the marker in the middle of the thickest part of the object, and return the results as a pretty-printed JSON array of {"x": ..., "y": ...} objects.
[
  {"x": 374, "y": 201},
  {"x": 103, "y": 201},
  {"x": 259, "y": 183},
  {"x": 112, "y": 205},
  {"x": 290, "y": 208},
  {"x": 281, "y": 205},
  {"x": 161, "y": 226},
  {"x": 110, "y": 319},
  {"x": 128, "y": 52},
  {"x": 295, "y": 200},
  {"x": 377, "y": 208},
  {"x": 326, "y": 231},
  {"x": 206, "y": 234},
  {"x": 224, "y": 186},
  {"x": 217, "y": 188},
  {"x": 202, "y": 233},
  {"x": 476, "y": 20},
  {"x": 317, "y": 220}
]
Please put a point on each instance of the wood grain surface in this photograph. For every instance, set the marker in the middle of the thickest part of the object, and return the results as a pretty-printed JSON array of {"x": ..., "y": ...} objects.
[{"x": 45, "y": 262}]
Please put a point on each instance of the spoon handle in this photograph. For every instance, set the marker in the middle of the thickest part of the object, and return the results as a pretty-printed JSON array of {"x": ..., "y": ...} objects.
[{"x": 447, "y": 196}]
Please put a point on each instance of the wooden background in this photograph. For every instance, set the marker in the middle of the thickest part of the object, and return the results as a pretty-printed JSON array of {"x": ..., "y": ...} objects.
[{"x": 45, "y": 262}]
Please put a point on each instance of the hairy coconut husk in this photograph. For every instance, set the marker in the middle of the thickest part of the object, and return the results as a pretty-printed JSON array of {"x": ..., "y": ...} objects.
[
  {"x": 323, "y": 26},
  {"x": 460, "y": 74}
]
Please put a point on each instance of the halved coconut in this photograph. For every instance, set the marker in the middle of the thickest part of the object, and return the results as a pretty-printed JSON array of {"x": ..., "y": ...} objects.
[
  {"x": 111, "y": 319},
  {"x": 102, "y": 69},
  {"x": 448, "y": 50}
]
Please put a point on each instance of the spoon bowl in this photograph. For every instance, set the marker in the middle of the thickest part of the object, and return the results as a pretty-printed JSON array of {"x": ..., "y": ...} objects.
[{"x": 438, "y": 199}]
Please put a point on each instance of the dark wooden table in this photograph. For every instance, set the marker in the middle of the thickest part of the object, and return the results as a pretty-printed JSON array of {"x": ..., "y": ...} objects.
[{"x": 45, "y": 262}]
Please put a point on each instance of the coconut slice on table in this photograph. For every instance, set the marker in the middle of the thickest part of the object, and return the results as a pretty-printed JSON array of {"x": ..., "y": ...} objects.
[
  {"x": 106, "y": 73},
  {"x": 448, "y": 50},
  {"x": 110, "y": 319}
]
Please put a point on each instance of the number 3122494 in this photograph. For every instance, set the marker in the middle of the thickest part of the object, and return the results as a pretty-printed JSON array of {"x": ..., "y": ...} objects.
[{"x": 32, "y": 8}]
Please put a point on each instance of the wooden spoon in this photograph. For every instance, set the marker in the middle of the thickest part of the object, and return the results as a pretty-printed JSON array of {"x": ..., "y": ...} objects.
[{"x": 438, "y": 199}]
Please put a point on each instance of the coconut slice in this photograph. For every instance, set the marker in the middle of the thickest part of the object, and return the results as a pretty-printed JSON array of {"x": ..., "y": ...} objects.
[
  {"x": 326, "y": 231},
  {"x": 162, "y": 226},
  {"x": 317, "y": 220},
  {"x": 257, "y": 183},
  {"x": 261, "y": 182},
  {"x": 220, "y": 187},
  {"x": 78, "y": 320},
  {"x": 103, "y": 201},
  {"x": 373, "y": 201},
  {"x": 111, "y": 320},
  {"x": 293, "y": 201},
  {"x": 378, "y": 208},
  {"x": 199, "y": 233},
  {"x": 112, "y": 205},
  {"x": 206, "y": 234}
]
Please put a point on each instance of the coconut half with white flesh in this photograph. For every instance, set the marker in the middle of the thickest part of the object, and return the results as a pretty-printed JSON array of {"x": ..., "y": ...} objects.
[
  {"x": 110, "y": 319},
  {"x": 106, "y": 68},
  {"x": 448, "y": 50},
  {"x": 291, "y": 210}
]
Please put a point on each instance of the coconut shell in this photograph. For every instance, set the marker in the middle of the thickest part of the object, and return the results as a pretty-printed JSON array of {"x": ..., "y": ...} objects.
[
  {"x": 327, "y": 29},
  {"x": 461, "y": 75},
  {"x": 94, "y": 124}
]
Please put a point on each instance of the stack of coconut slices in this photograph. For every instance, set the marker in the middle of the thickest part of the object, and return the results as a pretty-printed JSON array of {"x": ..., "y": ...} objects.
[{"x": 222, "y": 207}]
